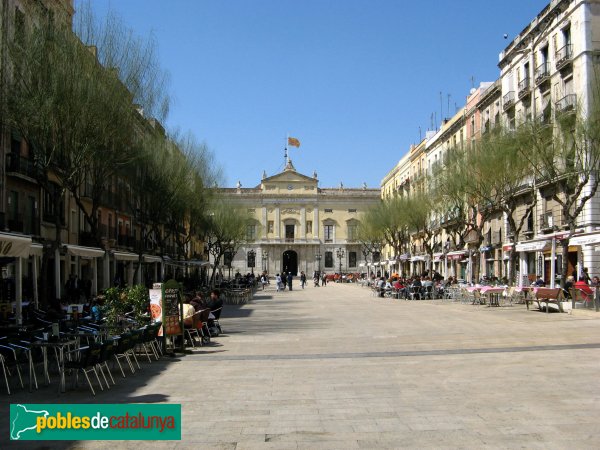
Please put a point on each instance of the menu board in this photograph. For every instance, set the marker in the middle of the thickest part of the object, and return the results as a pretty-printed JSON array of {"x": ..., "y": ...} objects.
[{"x": 171, "y": 306}]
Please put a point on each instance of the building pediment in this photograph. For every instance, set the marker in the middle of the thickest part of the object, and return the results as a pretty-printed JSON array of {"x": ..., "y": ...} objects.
[{"x": 290, "y": 182}]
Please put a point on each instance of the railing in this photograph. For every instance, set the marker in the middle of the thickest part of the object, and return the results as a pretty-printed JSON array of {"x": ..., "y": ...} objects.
[
  {"x": 542, "y": 72},
  {"x": 563, "y": 56},
  {"x": 508, "y": 100},
  {"x": 567, "y": 103},
  {"x": 108, "y": 232},
  {"x": 546, "y": 221},
  {"x": 524, "y": 86},
  {"x": 124, "y": 240},
  {"x": 16, "y": 163},
  {"x": 16, "y": 223}
]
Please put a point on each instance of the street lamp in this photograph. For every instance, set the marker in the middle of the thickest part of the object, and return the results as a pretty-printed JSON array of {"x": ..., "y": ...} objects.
[
  {"x": 340, "y": 254},
  {"x": 318, "y": 256},
  {"x": 251, "y": 260},
  {"x": 265, "y": 257}
]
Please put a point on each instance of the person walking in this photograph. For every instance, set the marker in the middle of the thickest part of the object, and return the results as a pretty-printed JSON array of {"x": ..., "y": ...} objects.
[
  {"x": 302, "y": 279},
  {"x": 289, "y": 280},
  {"x": 279, "y": 283},
  {"x": 324, "y": 280},
  {"x": 284, "y": 279}
]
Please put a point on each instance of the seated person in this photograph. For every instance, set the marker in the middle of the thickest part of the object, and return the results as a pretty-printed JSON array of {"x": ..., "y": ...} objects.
[
  {"x": 539, "y": 282},
  {"x": 96, "y": 310},
  {"x": 568, "y": 286},
  {"x": 586, "y": 291},
  {"x": 188, "y": 312}
]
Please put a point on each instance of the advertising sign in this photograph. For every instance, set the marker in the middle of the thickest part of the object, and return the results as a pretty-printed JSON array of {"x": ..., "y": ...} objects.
[{"x": 156, "y": 306}]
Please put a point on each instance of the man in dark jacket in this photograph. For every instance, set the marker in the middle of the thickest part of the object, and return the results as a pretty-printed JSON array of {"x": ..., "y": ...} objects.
[{"x": 289, "y": 280}]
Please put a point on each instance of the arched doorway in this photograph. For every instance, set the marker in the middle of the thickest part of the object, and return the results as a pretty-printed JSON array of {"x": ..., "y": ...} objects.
[{"x": 290, "y": 262}]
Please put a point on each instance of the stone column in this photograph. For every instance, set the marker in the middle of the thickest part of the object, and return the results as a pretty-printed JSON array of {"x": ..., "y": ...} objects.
[
  {"x": 264, "y": 222},
  {"x": 303, "y": 222},
  {"x": 277, "y": 223},
  {"x": 316, "y": 223}
]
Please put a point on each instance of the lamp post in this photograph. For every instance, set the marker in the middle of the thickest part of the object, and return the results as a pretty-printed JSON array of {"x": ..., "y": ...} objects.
[
  {"x": 265, "y": 257},
  {"x": 340, "y": 254},
  {"x": 251, "y": 260},
  {"x": 318, "y": 256}
]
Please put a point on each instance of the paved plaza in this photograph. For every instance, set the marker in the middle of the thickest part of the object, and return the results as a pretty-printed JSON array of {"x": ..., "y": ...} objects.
[{"x": 335, "y": 367}]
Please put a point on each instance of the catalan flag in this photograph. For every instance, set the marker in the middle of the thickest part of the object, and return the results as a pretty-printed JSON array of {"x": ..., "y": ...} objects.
[{"x": 293, "y": 142}]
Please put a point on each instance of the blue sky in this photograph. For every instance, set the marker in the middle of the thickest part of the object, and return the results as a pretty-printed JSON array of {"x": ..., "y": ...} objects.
[{"x": 353, "y": 80}]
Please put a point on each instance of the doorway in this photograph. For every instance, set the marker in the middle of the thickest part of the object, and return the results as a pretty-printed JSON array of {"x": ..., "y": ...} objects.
[{"x": 290, "y": 262}]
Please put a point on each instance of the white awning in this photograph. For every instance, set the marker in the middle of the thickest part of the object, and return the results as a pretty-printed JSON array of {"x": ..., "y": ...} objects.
[
  {"x": 418, "y": 258},
  {"x": 124, "y": 256},
  {"x": 14, "y": 245},
  {"x": 197, "y": 262},
  {"x": 36, "y": 250},
  {"x": 85, "y": 252},
  {"x": 585, "y": 240},
  {"x": 152, "y": 259},
  {"x": 534, "y": 246}
]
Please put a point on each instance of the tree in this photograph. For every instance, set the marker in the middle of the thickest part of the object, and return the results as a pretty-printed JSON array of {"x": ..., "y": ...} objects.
[
  {"x": 502, "y": 179},
  {"x": 566, "y": 162},
  {"x": 225, "y": 232}
]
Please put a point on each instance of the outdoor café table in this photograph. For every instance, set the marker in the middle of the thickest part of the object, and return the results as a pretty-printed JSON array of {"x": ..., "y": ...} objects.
[
  {"x": 58, "y": 346},
  {"x": 492, "y": 293}
]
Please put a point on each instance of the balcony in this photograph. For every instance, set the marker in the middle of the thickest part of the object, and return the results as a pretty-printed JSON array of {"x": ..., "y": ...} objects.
[
  {"x": 547, "y": 222},
  {"x": 542, "y": 73},
  {"x": 107, "y": 232},
  {"x": 563, "y": 56},
  {"x": 567, "y": 103},
  {"x": 19, "y": 165},
  {"x": 15, "y": 223},
  {"x": 524, "y": 88},
  {"x": 508, "y": 100},
  {"x": 124, "y": 240}
]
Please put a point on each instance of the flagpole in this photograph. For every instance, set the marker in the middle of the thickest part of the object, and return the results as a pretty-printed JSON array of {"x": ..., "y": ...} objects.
[{"x": 287, "y": 138}]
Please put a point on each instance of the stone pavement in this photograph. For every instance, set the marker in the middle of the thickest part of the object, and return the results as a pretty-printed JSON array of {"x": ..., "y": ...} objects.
[{"x": 335, "y": 367}]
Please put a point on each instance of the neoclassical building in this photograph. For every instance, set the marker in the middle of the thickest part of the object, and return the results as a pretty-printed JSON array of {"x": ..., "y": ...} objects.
[{"x": 297, "y": 226}]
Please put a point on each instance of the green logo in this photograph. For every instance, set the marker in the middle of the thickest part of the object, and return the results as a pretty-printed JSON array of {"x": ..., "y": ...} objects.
[{"x": 95, "y": 422}]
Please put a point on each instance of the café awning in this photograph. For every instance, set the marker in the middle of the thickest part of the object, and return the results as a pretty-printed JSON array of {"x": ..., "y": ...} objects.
[
  {"x": 456, "y": 254},
  {"x": 85, "y": 252},
  {"x": 152, "y": 259},
  {"x": 13, "y": 245},
  {"x": 587, "y": 239},
  {"x": 125, "y": 256},
  {"x": 533, "y": 246}
]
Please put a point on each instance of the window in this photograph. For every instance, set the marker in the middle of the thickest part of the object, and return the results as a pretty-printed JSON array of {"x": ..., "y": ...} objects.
[
  {"x": 270, "y": 226},
  {"x": 250, "y": 232},
  {"x": 50, "y": 209},
  {"x": 309, "y": 226},
  {"x": 352, "y": 231},
  {"x": 289, "y": 232},
  {"x": 329, "y": 260},
  {"x": 353, "y": 210},
  {"x": 328, "y": 210},
  {"x": 251, "y": 259},
  {"x": 376, "y": 256},
  {"x": 328, "y": 233},
  {"x": 351, "y": 259}
]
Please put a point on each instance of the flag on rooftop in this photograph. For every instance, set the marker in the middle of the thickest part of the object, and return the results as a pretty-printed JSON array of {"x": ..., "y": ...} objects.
[{"x": 293, "y": 142}]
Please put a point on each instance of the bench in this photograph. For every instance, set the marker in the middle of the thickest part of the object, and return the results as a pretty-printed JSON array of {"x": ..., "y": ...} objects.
[{"x": 546, "y": 295}]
